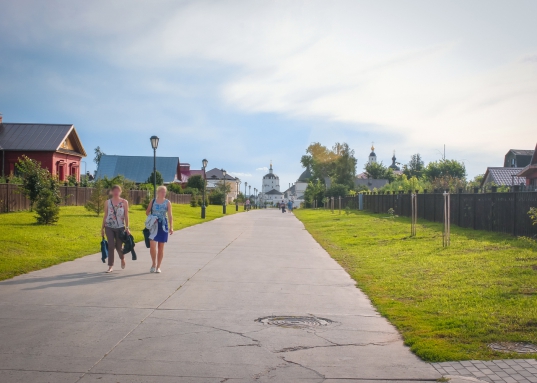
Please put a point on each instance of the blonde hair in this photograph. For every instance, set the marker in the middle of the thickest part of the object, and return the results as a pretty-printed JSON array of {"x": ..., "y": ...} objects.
[
  {"x": 116, "y": 187},
  {"x": 162, "y": 187}
]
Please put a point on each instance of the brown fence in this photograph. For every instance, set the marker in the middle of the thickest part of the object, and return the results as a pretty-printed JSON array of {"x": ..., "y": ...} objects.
[
  {"x": 11, "y": 199},
  {"x": 500, "y": 212}
]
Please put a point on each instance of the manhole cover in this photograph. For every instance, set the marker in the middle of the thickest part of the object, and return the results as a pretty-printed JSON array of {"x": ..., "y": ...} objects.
[
  {"x": 518, "y": 347},
  {"x": 295, "y": 321}
]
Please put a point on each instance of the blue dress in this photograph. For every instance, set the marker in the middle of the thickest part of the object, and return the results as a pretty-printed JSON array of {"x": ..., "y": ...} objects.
[{"x": 160, "y": 210}]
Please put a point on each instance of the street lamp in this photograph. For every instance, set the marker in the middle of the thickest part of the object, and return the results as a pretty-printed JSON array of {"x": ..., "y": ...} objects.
[
  {"x": 154, "y": 145},
  {"x": 245, "y": 184},
  {"x": 225, "y": 194},
  {"x": 237, "y": 195},
  {"x": 255, "y": 197},
  {"x": 250, "y": 192},
  {"x": 204, "y": 163}
]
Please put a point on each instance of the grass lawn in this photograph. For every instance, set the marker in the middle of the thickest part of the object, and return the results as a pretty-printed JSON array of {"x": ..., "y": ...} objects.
[
  {"x": 26, "y": 246},
  {"x": 449, "y": 304}
]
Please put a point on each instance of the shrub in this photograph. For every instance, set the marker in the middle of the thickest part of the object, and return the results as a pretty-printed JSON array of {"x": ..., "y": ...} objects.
[
  {"x": 175, "y": 188},
  {"x": 533, "y": 214},
  {"x": 47, "y": 208},
  {"x": 193, "y": 201},
  {"x": 34, "y": 178},
  {"x": 159, "y": 178}
]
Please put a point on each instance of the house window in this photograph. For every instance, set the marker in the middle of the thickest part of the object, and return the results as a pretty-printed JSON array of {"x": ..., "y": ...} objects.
[{"x": 513, "y": 163}]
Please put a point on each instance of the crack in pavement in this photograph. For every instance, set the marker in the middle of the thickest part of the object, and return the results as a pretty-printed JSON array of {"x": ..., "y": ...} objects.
[
  {"x": 299, "y": 348},
  {"x": 155, "y": 309},
  {"x": 321, "y": 376}
]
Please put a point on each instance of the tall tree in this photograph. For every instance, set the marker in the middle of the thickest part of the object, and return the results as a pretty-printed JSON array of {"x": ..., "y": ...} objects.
[
  {"x": 196, "y": 182},
  {"x": 345, "y": 165},
  {"x": 415, "y": 166},
  {"x": 158, "y": 177},
  {"x": 445, "y": 168},
  {"x": 98, "y": 155},
  {"x": 377, "y": 170}
]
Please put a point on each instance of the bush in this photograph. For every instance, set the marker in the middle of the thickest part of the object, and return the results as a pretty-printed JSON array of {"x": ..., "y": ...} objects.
[
  {"x": 34, "y": 178},
  {"x": 193, "y": 201},
  {"x": 159, "y": 178},
  {"x": 47, "y": 208},
  {"x": 216, "y": 197},
  {"x": 175, "y": 188},
  {"x": 533, "y": 214},
  {"x": 337, "y": 190}
]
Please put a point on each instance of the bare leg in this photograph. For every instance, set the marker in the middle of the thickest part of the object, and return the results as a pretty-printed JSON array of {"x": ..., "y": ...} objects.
[
  {"x": 153, "y": 252},
  {"x": 160, "y": 254}
]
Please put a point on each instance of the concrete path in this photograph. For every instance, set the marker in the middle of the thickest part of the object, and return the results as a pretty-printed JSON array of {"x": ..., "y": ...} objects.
[{"x": 196, "y": 322}]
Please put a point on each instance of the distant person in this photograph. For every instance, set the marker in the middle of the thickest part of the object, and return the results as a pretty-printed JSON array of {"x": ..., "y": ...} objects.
[
  {"x": 282, "y": 206},
  {"x": 162, "y": 209},
  {"x": 247, "y": 205},
  {"x": 290, "y": 206},
  {"x": 116, "y": 216}
]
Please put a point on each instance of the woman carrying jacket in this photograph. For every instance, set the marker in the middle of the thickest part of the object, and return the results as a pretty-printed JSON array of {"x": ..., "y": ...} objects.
[
  {"x": 115, "y": 221},
  {"x": 162, "y": 209}
]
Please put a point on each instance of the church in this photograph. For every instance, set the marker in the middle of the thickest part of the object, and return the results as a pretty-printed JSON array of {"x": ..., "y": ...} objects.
[{"x": 270, "y": 192}]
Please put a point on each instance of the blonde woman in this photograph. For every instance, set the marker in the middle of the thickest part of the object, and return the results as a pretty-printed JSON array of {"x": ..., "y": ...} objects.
[
  {"x": 162, "y": 209},
  {"x": 115, "y": 221}
]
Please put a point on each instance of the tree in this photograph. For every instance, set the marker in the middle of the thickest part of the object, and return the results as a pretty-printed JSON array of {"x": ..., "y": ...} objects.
[
  {"x": 314, "y": 192},
  {"x": 377, "y": 170},
  {"x": 98, "y": 155},
  {"x": 345, "y": 165},
  {"x": 337, "y": 190},
  {"x": 47, "y": 208},
  {"x": 34, "y": 178},
  {"x": 445, "y": 168},
  {"x": 120, "y": 180},
  {"x": 174, "y": 188},
  {"x": 415, "y": 166},
  {"x": 160, "y": 180},
  {"x": 404, "y": 183},
  {"x": 98, "y": 196},
  {"x": 320, "y": 160},
  {"x": 477, "y": 181},
  {"x": 196, "y": 182}
]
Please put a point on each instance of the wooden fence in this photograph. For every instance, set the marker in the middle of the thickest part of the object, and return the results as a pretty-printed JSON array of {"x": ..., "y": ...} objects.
[
  {"x": 499, "y": 212},
  {"x": 11, "y": 199}
]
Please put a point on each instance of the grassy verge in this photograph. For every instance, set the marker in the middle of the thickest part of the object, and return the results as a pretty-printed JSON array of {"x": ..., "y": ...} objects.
[
  {"x": 26, "y": 246},
  {"x": 449, "y": 304}
]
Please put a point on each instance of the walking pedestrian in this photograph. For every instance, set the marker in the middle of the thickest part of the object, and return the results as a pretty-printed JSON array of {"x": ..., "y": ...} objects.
[
  {"x": 115, "y": 222},
  {"x": 282, "y": 206},
  {"x": 247, "y": 204},
  {"x": 290, "y": 206},
  {"x": 161, "y": 208}
]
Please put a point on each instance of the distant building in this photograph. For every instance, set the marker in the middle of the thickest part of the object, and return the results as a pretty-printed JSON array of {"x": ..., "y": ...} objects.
[
  {"x": 516, "y": 158},
  {"x": 186, "y": 173},
  {"x": 530, "y": 171},
  {"x": 372, "y": 155},
  {"x": 139, "y": 168},
  {"x": 502, "y": 177},
  {"x": 56, "y": 146},
  {"x": 215, "y": 177},
  {"x": 270, "y": 190}
]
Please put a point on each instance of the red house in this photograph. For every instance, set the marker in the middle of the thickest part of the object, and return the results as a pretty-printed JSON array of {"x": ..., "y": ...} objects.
[
  {"x": 530, "y": 171},
  {"x": 186, "y": 173},
  {"x": 57, "y": 147}
]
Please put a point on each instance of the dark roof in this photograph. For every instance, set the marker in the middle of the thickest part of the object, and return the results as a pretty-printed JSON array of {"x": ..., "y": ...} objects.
[
  {"x": 305, "y": 176},
  {"x": 137, "y": 168},
  {"x": 503, "y": 176},
  {"x": 270, "y": 176},
  {"x": 274, "y": 192},
  {"x": 216, "y": 174},
  {"x": 521, "y": 152},
  {"x": 38, "y": 137}
]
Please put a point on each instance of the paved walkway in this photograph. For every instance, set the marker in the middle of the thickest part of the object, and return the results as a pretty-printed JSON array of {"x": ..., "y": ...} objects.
[
  {"x": 196, "y": 322},
  {"x": 509, "y": 371}
]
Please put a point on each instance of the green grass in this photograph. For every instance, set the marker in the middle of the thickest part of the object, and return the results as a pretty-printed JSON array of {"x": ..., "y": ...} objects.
[
  {"x": 449, "y": 304},
  {"x": 26, "y": 246}
]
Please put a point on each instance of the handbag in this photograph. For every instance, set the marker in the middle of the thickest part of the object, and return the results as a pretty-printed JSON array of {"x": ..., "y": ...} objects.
[{"x": 146, "y": 230}]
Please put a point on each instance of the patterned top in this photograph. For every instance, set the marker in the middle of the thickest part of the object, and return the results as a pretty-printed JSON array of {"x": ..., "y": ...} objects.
[
  {"x": 115, "y": 216},
  {"x": 160, "y": 210}
]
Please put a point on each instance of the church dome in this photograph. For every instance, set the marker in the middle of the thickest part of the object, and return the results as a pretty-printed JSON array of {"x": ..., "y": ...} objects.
[
  {"x": 305, "y": 176},
  {"x": 270, "y": 174},
  {"x": 372, "y": 152}
]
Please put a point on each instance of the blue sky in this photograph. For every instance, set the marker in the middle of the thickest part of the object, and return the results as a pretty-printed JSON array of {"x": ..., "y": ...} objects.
[{"x": 245, "y": 82}]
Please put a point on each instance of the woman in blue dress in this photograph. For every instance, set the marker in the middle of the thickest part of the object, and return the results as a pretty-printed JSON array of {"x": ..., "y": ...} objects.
[{"x": 162, "y": 209}]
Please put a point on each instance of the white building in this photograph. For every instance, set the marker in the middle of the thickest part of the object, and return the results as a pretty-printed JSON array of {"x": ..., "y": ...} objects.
[
  {"x": 270, "y": 191},
  {"x": 296, "y": 192}
]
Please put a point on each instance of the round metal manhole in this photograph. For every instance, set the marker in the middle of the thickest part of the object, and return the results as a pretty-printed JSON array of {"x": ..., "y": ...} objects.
[
  {"x": 518, "y": 347},
  {"x": 295, "y": 321}
]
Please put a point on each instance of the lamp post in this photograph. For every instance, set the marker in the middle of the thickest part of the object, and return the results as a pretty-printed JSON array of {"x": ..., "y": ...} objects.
[
  {"x": 245, "y": 184},
  {"x": 237, "y": 195},
  {"x": 204, "y": 163},
  {"x": 250, "y": 192},
  {"x": 225, "y": 192},
  {"x": 154, "y": 145},
  {"x": 255, "y": 198}
]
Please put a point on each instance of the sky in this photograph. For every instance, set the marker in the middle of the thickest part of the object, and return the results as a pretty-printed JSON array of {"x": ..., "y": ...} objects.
[{"x": 242, "y": 83}]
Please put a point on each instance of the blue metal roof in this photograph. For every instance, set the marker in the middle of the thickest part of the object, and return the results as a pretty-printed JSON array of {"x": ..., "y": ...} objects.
[{"x": 137, "y": 168}]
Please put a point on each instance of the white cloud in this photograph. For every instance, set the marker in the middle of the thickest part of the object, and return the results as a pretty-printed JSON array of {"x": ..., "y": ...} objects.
[
  {"x": 262, "y": 169},
  {"x": 240, "y": 175}
]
